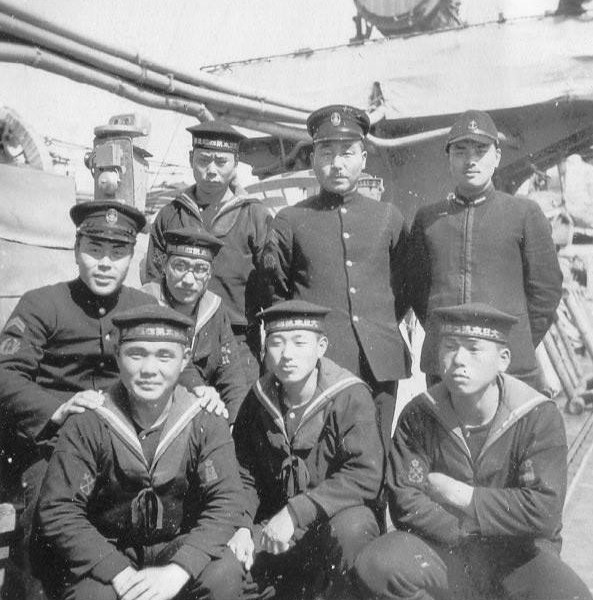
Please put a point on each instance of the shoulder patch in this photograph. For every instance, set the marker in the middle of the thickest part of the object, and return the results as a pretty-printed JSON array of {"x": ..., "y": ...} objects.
[
  {"x": 416, "y": 472},
  {"x": 210, "y": 474},
  {"x": 87, "y": 484}
]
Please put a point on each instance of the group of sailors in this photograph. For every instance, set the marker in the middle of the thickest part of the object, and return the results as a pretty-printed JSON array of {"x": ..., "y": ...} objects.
[{"x": 159, "y": 450}]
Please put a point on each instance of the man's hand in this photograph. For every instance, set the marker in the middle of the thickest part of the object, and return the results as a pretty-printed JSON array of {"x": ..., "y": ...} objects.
[
  {"x": 210, "y": 401},
  {"x": 89, "y": 399},
  {"x": 446, "y": 490},
  {"x": 156, "y": 583},
  {"x": 276, "y": 535},
  {"x": 242, "y": 547}
]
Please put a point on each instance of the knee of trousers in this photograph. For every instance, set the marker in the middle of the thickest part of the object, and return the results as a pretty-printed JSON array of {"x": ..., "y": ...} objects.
[
  {"x": 387, "y": 568},
  {"x": 90, "y": 589},
  {"x": 350, "y": 530},
  {"x": 222, "y": 579}
]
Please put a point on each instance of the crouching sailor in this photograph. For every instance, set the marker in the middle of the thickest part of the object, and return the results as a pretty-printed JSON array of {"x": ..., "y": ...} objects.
[
  {"x": 478, "y": 478},
  {"x": 142, "y": 494},
  {"x": 311, "y": 460}
]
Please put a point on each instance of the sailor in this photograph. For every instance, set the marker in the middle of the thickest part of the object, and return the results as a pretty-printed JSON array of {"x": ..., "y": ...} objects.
[
  {"x": 477, "y": 479},
  {"x": 482, "y": 245},
  {"x": 142, "y": 494},
  {"x": 310, "y": 457},
  {"x": 184, "y": 287},
  {"x": 346, "y": 251},
  {"x": 237, "y": 220}
]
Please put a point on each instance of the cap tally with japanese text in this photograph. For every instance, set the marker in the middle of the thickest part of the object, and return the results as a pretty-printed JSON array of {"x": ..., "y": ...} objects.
[
  {"x": 475, "y": 319},
  {"x": 338, "y": 122},
  {"x": 192, "y": 243},
  {"x": 294, "y": 314},
  {"x": 216, "y": 135},
  {"x": 108, "y": 220},
  {"x": 153, "y": 323}
]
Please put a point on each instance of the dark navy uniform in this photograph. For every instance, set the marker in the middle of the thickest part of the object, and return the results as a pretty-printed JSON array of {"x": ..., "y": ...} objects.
[
  {"x": 241, "y": 223},
  {"x": 347, "y": 253}
]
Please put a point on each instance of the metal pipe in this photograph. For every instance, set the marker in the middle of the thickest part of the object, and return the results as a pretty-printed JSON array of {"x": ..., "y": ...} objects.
[
  {"x": 127, "y": 70},
  {"x": 202, "y": 79},
  {"x": 37, "y": 58}
]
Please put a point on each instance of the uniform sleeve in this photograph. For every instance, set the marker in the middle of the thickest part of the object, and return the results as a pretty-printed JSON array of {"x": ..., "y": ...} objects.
[
  {"x": 229, "y": 378},
  {"x": 410, "y": 506},
  {"x": 417, "y": 272},
  {"x": 25, "y": 405},
  {"x": 72, "y": 472},
  {"x": 155, "y": 255},
  {"x": 221, "y": 494},
  {"x": 541, "y": 273},
  {"x": 397, "y": 258},
  {"x": 243, "y": 434},
  {"x": 276, "y": 261},
  {"x": 357, "y": 478},
  {"x": 532, "y": 504}
]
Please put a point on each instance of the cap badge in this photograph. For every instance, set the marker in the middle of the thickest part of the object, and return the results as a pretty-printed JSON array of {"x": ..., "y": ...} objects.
[
  {"x": 472, "y": 125},
  {"x": 335, "y": 119},
  {"x": 111, "y": 216}
]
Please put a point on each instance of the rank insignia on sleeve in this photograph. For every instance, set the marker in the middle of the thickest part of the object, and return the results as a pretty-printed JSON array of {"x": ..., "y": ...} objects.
[
  {"x": 15, "y": 323},
  {"x": 9, "y": 346},
  {"x": 416, "y": 472},
  {"x": 225, "y": 354},
  {"x": 210, "y": 473},
  {"x": 88, "y": 481},
  {"x": 527, "y": 472}
]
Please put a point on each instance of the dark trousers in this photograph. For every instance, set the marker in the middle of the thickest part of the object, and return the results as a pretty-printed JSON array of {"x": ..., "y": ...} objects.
[
  {"x": 320, "y": 562},
  {"x": 222, "y": 579},
  {"x": 403, "y": 566}
]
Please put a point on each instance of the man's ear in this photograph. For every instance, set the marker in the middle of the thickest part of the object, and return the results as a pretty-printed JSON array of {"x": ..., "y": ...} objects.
[
  {"x": 191, "y": 157},
  {"x": 186, "y": 357},
  {"x": 322, "y": 345},
  {"x": 504, "y": 358}
]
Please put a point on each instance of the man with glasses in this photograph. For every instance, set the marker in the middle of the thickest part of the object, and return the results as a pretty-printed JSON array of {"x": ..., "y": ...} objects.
[
  {"x": 184, "y": 287},
  {"x": 240, "y": 222}
]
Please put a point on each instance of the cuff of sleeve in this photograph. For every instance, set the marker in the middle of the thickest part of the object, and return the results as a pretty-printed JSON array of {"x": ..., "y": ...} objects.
[
  {"x": 110, "y": 566},
  {"x": 304, "y": 510},
  {"x": 190, "y": 378},
  {"x": 191, "y": 559}
]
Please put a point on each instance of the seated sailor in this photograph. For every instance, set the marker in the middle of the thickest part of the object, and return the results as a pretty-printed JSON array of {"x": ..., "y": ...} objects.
[
  {"x": 311, "y": 460},
  {"x": 477, "y": 479},
  {"x": 142, "y": 494},
  {"x": 187, "y": 270}
]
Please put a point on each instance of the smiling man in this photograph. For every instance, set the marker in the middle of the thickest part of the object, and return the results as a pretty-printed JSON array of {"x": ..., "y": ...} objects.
[
  {"x": 477, "y": 480},
  {"x": 143, "y": 493},
  {"x": 345, "y": 251},
  {"x": 482, "y": 245},
  {"x": 311, "y": 461},
  {"x": 184, "y": 287},
  {"x": 238, "y": 221}
]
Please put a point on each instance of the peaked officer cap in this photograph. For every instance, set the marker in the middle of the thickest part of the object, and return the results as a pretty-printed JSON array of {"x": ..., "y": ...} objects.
[
  {"x": 108, "y": 220},
  {"x": 294, "y": 314},
  {"x": 473, "y": 125},
  {"x": 215, "y": 135},
  {"x": 193, "y": 243},
  {"x": 152, "y": 323},
  {"x": 338, "y": 122},
  {"x": 475, "y": 319}
]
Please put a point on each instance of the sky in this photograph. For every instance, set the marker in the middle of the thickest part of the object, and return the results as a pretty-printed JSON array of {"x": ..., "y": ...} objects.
[{"x": 188, "y": 34}]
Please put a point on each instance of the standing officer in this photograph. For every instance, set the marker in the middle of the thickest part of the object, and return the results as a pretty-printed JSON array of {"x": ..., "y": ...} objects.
[
  {"x": 238, "y": 221},
  {"x": 345, "y": 251},
  {"x": 184, "y": 287},
  {"x": 57, "y": 348},
  {"x": 481, "y": 245}
]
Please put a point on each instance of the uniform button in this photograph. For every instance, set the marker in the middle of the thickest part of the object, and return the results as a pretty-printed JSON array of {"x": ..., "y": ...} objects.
[
  {"x": 107, "y": 336},
  {"x": 102, "y": 311},
  {"x": 348, "y": 263},
  {"x": 101, "y": 365},
  {"x": 353, "y": 290},
  {"x": 343, "y": 210},
  {"x": 345, "y": 235},
  {"x": 291, "y": 415},
  {"x": 355, "y": 318},
  {"x": 143, "y": 436}
]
